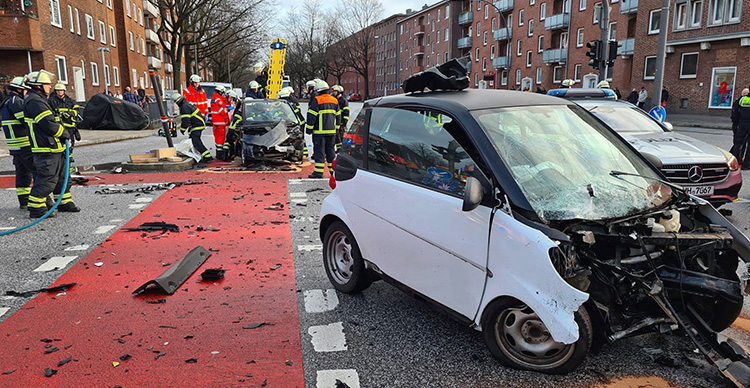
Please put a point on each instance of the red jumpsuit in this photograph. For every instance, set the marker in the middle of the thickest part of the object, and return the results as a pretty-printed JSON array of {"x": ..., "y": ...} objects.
[
  {"x": 197, "y": 98},
  {"x": 220, "y": 119}
]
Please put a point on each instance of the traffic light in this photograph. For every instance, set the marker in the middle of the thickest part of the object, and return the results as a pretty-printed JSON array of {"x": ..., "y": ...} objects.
[
  {"x": 613, "y": 45},
  {"x": 594, "y": 53}
]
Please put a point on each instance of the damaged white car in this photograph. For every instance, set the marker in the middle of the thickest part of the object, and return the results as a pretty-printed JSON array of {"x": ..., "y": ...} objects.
[{"x": 528, "y": 219}]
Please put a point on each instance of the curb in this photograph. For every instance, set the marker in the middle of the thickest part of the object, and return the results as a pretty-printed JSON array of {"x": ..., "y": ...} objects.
[{"x": 701, "y": 125}]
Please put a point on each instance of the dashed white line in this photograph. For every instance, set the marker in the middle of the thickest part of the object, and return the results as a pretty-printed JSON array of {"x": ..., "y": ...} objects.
[
  {"x": 314, "y": 247},
  {"x": 328, "y": 338},
  {"x": 298, "y": 200},
  {"x": 55, "y": 263},
  {"x": 137, "y": 206},
  {"x": 297, "y": 195},
  {"x": 144, "y": 199},
  {"x": 104, "y": 229},
  {"x": 4, "y": 310},
  {"x": 318, "y": 301},
  {"x": 327, "y": 378},
  {"x": 116, "y": 220},
  {"x": 82, "y": 247},
  {"x": 305, "y": 219}
]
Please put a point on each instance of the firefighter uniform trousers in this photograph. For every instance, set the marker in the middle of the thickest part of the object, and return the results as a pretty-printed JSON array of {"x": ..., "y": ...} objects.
[
  {"x": 192, "y": 120},
  {"x": 232, "y": 141},
  {"x": 220, "y": 118},
  {"x": 323, "y": 119},
  {"x": 17, "y": 136}
]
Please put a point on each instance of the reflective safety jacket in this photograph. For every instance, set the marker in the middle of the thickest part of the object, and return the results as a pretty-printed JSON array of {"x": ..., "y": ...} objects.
[
  {"x": 236, "y": 117},
  {"x": 323, "y": 115},
  {"x": 66, "y": 109},
  {"x": 46, "y": 133},
  {"x": 16, "y": 132},
  {"x": 344, "y": 108},
  {"x": 191, "y": 117},
  {"x": 197, "y": 98},
  {"x": 743, "y": 114},
  {"x": 219, "y": 111}
]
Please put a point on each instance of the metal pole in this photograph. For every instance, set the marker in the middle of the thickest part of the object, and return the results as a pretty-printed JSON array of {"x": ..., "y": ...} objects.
[
  {"x": 28, "y": 56},
  {"x": 106, "y": 88},
  {"x": 661, "y": 53},
  {"x": 604, "y": 27},
  {"x": 156, "y": 83}
]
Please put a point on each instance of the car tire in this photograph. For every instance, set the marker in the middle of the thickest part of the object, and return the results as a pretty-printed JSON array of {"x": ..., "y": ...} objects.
[
  {"x": 343, "y": 261},
  {"x": 517, "y": 337}
]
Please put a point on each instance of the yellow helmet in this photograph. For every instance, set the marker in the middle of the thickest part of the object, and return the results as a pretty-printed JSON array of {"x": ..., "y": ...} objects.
[
  {"x": 41, "y": 77},
  {"x": 17, "y": 83},
  {"x": 60, "y": 86}
]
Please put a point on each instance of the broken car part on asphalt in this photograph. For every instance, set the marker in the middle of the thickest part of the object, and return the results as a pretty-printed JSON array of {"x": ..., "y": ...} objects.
[
  {"x": 213, "y": 274},
  {"x": 174, "y": 276},
  {"x": 146, "y": 189},
  {"x": 154, "y": 226},
  {"x": 26, "y": 294}
]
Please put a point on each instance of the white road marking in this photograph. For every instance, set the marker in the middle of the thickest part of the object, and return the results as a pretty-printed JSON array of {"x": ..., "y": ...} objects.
[
  {"x": 297, "y": 195},
  {"x": 299, "y": 200},
  {"x": 137, "y": 206},
  {"x": 4, "y": 310},
  {"x": 104, "y": 229},
  {"x": 144, "y": 199},
  {"x": 328, "y": 338},
  {"x": 315, "y": 247},
  {"x": 55, "y": 262},
  {"x": 116, "y": 220},
  {"x": 318, "y": 301},
  {"x": 327, "y": 378},
  {"x": 82, "y": 247},
  {"x": 305, "y": 219},
  {"x": 6, "y": 228}
]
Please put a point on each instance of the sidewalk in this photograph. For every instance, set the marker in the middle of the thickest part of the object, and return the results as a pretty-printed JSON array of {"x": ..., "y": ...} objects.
[
  {"x": 90, "y": 137},
  {"x": 700, "y": 121}
]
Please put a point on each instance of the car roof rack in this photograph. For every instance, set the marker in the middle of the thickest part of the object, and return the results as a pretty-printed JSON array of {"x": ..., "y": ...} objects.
[{"x": 451, "y": 75}]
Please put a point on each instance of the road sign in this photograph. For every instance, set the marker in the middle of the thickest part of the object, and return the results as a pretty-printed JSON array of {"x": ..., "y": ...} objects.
[{"x": 658, "y": 113}]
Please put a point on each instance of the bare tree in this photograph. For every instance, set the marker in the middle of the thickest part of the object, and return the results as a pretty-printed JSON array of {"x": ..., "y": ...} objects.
[
  {"x": 359, "y": 28},
  {"x": 308, "y": 37}
]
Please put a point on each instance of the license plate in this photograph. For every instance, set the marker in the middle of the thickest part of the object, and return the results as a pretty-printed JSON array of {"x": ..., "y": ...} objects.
[{"x": 700, "y": 191}]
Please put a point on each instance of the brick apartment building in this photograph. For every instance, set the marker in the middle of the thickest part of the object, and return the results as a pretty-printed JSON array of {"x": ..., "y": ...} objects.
[
  {"x": 386, "y": 56},
  {"x": 65, "y": 38},
  {"x": 708, "y": 52}
]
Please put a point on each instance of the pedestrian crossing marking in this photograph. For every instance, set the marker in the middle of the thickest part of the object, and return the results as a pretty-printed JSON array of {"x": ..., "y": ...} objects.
[
  {"x": 318, "y": 301},
  {"x": 137, "y": 206},
  {"x": 308, "y": 248},
  {"x": 328, "y": 338},
  {"x": 104, "y": 229},
  {"x": 327, "y": 378},
  {"x": 4, "y": 310}
]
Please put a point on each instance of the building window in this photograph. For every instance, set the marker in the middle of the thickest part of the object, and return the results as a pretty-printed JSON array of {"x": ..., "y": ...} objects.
[
  {"x": 106, "y": 75},
  {"x": 143, "y": 47},
  {"x": 680, "y": 16},
  {"x": 479, "y": 25},
  {"x": 137, "y": 46},
  {"x": 504, "y": 77},
  {"x": 437, "y": 38},
  {"x": 438, "y": 18},
  {"x": 542, "y": 11},
  {"x": 484, "y": 38},
  {"x": 476, "y": 79},
  {"x": 102, "y": 32},
  {"x": 654, "y": 19},
  {"x": 577, "y": 72},
  {"x": 579, "y": 38},
  {"x": 492, "y": 52},
  {"x": 476, "y": 55},
  {"x": 509, "y": 20},
  {"x": 724, "y": 11},
  {"x": 689, "y": 65},
  {"x": 486, "y": 12},
  {"x": 135, "y": 12},
  {"x": 116, "y": 74},
  {"x": 447, "y": 11},
  {"x": 494, "y": 24},
  {"x": 649, "y": 70},
  {"x": 446, "y": 53},
  {"x": 582, "y": 5},
  {"x": 563, "y": 40},
  {"x": 538, "y": 75},
  {"x": 135, "y": 79},
  {"x": 532, "y": 2},
  {"x": 70, "y": 17},
  {"x": 528, "y": 58},
  {"x": 520, "y": 17},
  {"x": 597, "y": 12},
  {"x": 112, "y": 36},
  {"x": 78, "y": 22},
  {"x": 612, "y": 31},
  {"x": 140, "y": 15},
  {"x": 531, "y": 27},
  {"x": 89, "y": 27},
  {"x": 62, "y": 69},
  {"x": 696, "y": 13},
  {"x": 54, "y": 10},
  {"x": 127, "y": 7},
  {"x": 130, "y": 39},
  {"x": 94, "y": 74},
  {"x": 109, "y": 4},
  {"x": 83, "y": 69},
  {"x": 518, "y": 48},
  {"x": 722, "y": 87},
  {"x": 484, "y": 64},
  {"x": 445, "y": 34},
  {"x": 541, "y": 44},
  {"x": 518, "y": 77},
  {"x": 557, "y": 74}
]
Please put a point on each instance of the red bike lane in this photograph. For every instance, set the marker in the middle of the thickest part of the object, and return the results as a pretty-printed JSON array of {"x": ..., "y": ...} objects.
[{"x": 239, "y": 331}]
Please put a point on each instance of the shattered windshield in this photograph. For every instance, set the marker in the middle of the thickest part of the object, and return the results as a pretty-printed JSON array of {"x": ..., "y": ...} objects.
[
  {"x": 265, "y": 111},
  {"x": 623, "y": 118},
  {"x": 562, "y": 159}
]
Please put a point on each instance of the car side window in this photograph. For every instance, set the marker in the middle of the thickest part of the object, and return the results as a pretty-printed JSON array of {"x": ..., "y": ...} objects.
[
  {"x": 353, "y": 141},
  {"x": 416, "y": 146}
]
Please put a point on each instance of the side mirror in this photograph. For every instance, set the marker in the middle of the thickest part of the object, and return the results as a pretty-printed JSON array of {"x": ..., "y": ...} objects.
[
  {"x": 668, "y": 126},
  {"x": 655, "y": 161},
  {"x": 473, "y": 194},
  {"x": 346, "y": 167}
]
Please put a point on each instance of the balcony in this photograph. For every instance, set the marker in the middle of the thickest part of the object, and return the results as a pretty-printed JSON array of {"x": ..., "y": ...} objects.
[
  {"x": 501, "y": 62},
  {"x": 556, "y": 22},
  {"x": 503, "y": 34},
  {"x": 151, "y": 36},
  {"x": 167, "y": 45},
  {"x": 168, "y": 67},
  {"x": 150, "y": 10},
  {"x": 418, "y": 53},
  {"x": 466, "y": 18},
  {"x": 628, "y": 6},
  {"x": 625, "y": 46},
  {"x": 154, "y": 63},
  {"x": 419, "y": 30},
  {"x": 504, "y": 5},
  {"x": 20, "y": 33},
  {"x": 555, "y": 56},
  {"x": 464, "y": 42}
]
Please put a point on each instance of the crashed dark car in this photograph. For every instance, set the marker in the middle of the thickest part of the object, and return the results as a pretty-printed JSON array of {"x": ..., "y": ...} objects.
[
  {"x": 270, "y": 132},
  {"x": 528, "y": 219}
]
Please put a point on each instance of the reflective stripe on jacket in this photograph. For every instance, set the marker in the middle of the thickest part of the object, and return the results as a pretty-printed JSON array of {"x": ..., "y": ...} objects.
[
  {"x": 323, "y": 115},
  {"x": 344, "y": 107},
  {"x": 197, "y": 98},
  {"x": 66, "y": 109},
  {"x": 191, "y": 118},
  {"x": 11, "y": 114},
  {"x": 46, "y": 133},
  {"x": 219, "y": 113}
]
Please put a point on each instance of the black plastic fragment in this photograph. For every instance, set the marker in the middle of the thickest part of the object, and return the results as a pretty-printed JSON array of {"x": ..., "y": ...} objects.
[
  {"x": 46, "y": 340},
  {"x": 257, "y": 325},
  {"x": 174, "y": 276},
  {"x": 125, "y": 357},
  {"x": 65, "y": 361},
  {"x": 341, "y": 384},
  {"x": 189, "y": 336},
  {"x": 49, "y": 372},
  {"x": 167, "y": 327},
  {"x": 153, "y": 226},
  {"x": 191, "y": 360},
  {"x": 158, "y": 301},
  {"x": 26, "y": 294},
  {"x": 159, "y": 355},
  {"x": 7, "y": 372},
  {"x": 213, "y": 274},
  {"x": 51, "y": 350}
]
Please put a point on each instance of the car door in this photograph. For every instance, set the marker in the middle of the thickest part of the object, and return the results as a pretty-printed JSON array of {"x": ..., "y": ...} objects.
[{"x": 405, "y": 208}]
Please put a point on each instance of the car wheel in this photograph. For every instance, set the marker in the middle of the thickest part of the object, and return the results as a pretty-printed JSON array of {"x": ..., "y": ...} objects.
[
  {"x": 518, "y": 338},
  {"x": 343, "y": 261}
]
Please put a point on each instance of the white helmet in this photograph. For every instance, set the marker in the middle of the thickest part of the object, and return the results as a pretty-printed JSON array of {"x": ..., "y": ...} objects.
[
  {"x": 284, "y": 92},
  {"x": 254, "y": 85},
  {"x": 321, "y": 85},
  {"x": 603, "y": 85},
  {"x": 337, "y": 88},
  {"x": 310, "y": 84},
  {"x": 177, "y": 97},
  {"x": 258, "y": 67},
  {"x": 568, "y": 82},
  {"x": 221, "y": 89},
  {"x": 232, "y": 93},
  {"x": 195, "y": 78}
]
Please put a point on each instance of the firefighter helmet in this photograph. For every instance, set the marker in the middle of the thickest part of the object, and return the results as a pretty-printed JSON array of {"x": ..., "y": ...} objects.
[
  {"x": 17, "y": 83},
  {"x": 232, "y": 93},
  {"x": 603, "y": 84},
  {"x": 254, "y": 85},
  {"x": 310, "y": 84},
  {"x": 220, "y": 89},
  {"x": 177, "y": 97},
  {"x": 337, "y": 88},
  {"x": 258, "y": 67},
  {"x": 60, "y": 86},
  {"x": 41, "y": 77},
  {"x": 321, "y": 86},
  {"x": 568, "y": 83},
  {"x": 284, "y": 92},
  {"x": 195, "y": 78}
]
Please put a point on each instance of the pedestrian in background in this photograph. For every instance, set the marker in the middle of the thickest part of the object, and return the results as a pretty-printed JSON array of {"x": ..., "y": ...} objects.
[
  {"x": 338, "y": 92},
  {"x": 664, "y": 97},
  {"x": 741, "y": 138},
  {"x": 633, "y": 97},
  {"x": 118, "y": 95},
  {"x": 129, "y": 96},
  {"x": 642, "y": 97}
]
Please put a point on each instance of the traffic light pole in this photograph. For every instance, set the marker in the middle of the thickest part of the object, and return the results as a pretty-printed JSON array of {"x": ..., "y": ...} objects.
[
  {"x": 661, "y": 53},
  {"x": 604, "y": 27}
]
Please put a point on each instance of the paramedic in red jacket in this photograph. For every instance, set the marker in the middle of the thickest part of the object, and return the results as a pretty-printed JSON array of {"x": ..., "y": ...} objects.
[
  {"x": 220, "y": 120},
  {"x": 196, "y": 95}
]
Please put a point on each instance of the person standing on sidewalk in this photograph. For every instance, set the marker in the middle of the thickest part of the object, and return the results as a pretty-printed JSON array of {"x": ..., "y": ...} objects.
[
  {"x": 48, "y": 142},
  {"x": 323, "y": 118},
  {"x": 130, "y": 96},
  {"x": 17, "y": 135},
  {"x": 192, "y": 120},
  {"x": 642, "y": 97}
]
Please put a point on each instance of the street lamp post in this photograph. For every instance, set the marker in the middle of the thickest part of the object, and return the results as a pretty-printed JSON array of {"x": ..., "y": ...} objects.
[
  {"x": 103, "y": 50},
  {"x": 507, "y": 38}
]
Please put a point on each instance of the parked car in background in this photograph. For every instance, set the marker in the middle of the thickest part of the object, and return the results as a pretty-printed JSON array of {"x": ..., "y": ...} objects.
[
  {"x": 355, "y": 97},
  {"x": 702, "y": 169}
]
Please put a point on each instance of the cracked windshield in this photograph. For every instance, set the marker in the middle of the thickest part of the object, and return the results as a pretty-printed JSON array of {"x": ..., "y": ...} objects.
[{"x": 563, "y": 160}]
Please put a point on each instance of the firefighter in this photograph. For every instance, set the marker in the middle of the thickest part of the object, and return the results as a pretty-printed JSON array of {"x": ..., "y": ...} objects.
[
  {"x": 17, "y": 135},
  {"x": 261, "y": 77},
  {"x": 323, "y": 118},
  {"x": 310, "y": 85},
  {"x": 568, "y": 83},
  {"x": 66, "y": 109},
  {"x": 48, "y": 141},
  {"x": 196, "y": 95},
  {"x": 338, "y": 92},
  {"x": 287, "y": 94},
  {"x": 235, "y": 118},
  {"x": 220, "y": 120},
  {"x": 742, "y": 136},
  {"x": 253, "y": 91},
  {"x": 192, "y": 120}
]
